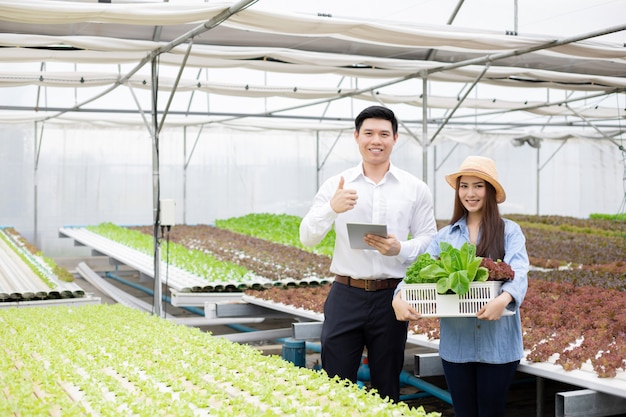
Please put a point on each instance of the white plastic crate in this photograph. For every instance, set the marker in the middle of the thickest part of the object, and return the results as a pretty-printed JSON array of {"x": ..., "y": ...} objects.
[{"x": 425, "y": 299}]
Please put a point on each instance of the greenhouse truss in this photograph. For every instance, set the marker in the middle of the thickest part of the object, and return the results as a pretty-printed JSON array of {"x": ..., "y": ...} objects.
[{"x": 108, "y": 38}]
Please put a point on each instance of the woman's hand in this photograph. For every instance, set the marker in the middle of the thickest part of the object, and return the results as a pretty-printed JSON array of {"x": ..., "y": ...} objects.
[
  {"x": 403, "y": 310},
  {"x": 493, "y": 309}
]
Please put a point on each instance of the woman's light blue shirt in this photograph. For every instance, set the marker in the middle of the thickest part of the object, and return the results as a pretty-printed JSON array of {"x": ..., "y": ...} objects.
[{"x": 468, "y": 339}]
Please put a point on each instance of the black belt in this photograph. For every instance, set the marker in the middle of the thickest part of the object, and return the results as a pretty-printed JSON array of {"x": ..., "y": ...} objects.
[{"x": 368, "y": 284}]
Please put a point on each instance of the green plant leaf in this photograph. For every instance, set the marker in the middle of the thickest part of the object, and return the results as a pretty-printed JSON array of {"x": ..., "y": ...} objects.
[
  {"x": 445, "y": 246},
  {"x": 471, "y": 255},
  {"x": 482, "y": 274},
  {"x": 459, "y": 283},
  {"x": 465, "y": 256},
  {"x": 472, "y": 268},
  {"x": 447, "y": 262},
  {"x": 433, "y": 273},
  {"x": 450, "y": 257},
  {"x": 458, "y": 262},
  {"x": 443, "y": 285}
]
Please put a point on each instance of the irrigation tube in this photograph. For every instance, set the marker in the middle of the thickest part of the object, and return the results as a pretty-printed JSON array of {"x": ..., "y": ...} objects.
[
  {"x": 408, "y": 379},
  {"x": 194, "y": 310}
]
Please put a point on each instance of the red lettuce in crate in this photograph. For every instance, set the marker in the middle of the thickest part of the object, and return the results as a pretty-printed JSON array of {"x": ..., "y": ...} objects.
[{"x": 498, "y": 271}]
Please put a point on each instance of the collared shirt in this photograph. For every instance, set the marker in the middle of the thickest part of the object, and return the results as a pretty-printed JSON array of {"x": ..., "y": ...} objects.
[
  {"x": 468, "y": 339},
  {"x": 400, "y": 200}
]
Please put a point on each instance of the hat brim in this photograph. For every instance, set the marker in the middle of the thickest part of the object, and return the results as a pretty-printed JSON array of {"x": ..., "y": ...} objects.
[{"x": 500, "y": 194}]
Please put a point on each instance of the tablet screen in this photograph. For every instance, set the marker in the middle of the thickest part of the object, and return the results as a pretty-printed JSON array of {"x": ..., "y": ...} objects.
[{"x": 356, "y": 232}]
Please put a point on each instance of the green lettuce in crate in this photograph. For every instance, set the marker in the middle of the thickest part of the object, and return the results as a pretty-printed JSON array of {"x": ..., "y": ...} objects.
[
  {"x": 451, "y": 272},
  {"x": 413, "y": 272}
]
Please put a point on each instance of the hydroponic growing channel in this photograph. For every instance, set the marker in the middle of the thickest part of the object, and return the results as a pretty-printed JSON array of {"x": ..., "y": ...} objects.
[{"x": 110, "y": 360}]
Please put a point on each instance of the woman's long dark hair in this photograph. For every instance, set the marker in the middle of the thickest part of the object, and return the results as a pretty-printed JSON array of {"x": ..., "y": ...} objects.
[{"x": 491, "y": 243}]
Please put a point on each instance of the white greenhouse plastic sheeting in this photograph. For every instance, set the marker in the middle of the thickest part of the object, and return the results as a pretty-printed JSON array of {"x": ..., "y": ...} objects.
[{"x": 93, "y": 175}]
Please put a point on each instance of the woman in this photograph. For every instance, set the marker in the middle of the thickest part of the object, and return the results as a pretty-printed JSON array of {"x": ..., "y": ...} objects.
[{"x": 480, "y": 354}]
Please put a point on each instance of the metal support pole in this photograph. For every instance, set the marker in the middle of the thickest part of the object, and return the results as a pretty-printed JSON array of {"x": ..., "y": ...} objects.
[
  {"x": 459, "y": 102},
  {"x": 515, "y": 18},
  {"x": 538, "y": 181},
  {"x": 185, "y": 175},
  {"x": 35, "y": 193},
  {"x": 539, "y": 396},
  {"x": 425, "y": 140},
  {"x": 156, "y": 190}
]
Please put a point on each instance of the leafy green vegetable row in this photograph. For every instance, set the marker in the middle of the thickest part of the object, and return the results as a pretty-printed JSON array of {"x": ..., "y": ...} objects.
[
  {"x": 43, "y": 270},
  {"x": 197, "y": 262},
  {"x": 110, "y": 360},
  {"x": 277, "y": 228}
]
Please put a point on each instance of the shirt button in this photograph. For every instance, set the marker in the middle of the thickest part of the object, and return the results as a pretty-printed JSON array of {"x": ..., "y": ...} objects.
[{"x": 478, "y": 327}]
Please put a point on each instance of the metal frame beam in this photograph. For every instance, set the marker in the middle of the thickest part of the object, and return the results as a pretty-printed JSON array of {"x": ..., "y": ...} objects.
[{"x": 588, "y": 403}]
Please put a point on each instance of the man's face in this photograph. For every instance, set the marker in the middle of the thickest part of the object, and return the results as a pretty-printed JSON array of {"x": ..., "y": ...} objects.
[{"x": 375, "y": 140}]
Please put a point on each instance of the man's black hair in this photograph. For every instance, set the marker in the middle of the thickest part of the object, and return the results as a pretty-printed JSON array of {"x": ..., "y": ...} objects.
[{"x": 377, "y": 112}]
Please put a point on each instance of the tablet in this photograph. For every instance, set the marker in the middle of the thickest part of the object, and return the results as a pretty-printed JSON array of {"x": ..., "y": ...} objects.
[{"x": 356, "y": 232}]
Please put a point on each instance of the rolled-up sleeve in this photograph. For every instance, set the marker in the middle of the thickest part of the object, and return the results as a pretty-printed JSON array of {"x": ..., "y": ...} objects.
[{"x": 517, "y": 257}]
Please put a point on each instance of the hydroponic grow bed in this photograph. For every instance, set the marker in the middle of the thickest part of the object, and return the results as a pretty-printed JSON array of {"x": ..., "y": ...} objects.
[{"x": 113, "y": 360}]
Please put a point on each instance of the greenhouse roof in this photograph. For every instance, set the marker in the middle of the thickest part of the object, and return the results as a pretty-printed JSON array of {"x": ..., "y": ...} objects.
[{"x": 64, "y": 57}]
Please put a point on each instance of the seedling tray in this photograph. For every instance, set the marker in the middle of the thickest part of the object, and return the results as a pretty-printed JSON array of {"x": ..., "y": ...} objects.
[{"x": 425, "y": 299}]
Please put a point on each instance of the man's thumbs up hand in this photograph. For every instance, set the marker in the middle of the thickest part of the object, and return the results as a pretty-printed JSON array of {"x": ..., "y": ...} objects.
[{"x": 343, "y": 200}]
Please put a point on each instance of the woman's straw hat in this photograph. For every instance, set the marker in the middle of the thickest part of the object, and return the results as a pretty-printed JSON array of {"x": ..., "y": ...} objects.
[{"x": 483, "y": 168}]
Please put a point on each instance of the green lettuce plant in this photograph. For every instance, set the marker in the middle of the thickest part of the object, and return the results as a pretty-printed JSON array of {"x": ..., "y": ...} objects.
[
  {"x": 111, "y": 360},
  {"x": 452, "y": 271},
  {"x": 45, "y": 268},
  {"x": 200, "y": 263},
  {"x": 413, "y": 275},
  {"x": 278, "y": 228}
]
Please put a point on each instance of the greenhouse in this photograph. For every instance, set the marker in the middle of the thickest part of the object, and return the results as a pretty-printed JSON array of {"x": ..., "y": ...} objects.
[{"x": 158, "y": 157}]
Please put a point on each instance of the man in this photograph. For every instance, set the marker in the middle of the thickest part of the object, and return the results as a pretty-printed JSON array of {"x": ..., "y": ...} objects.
[{"x": 358, "y": 313}]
